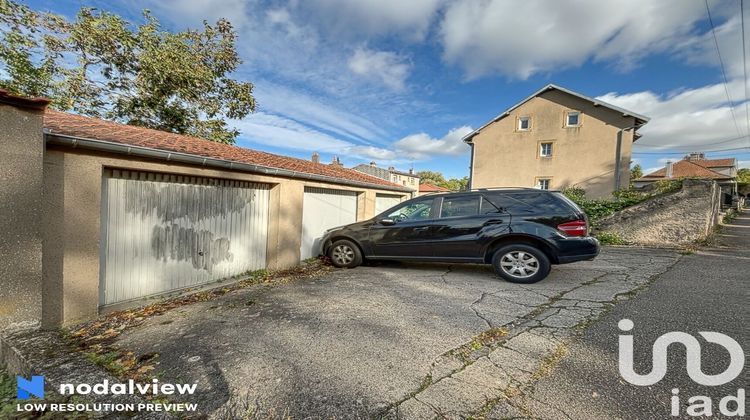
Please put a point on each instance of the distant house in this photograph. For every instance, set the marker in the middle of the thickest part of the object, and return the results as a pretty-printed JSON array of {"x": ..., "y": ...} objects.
[
  {"x": 427, "y": 188},
  {"x": 553, "y": 139},
  {"x": 409, "y": 179},
  {"x": 695, "y": 165}
]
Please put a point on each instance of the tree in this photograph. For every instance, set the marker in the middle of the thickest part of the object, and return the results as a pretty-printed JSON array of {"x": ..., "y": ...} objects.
[
  {"x": 636, "y": 172},
  {"x": 431, "y": 177},
  {"x": 437, "y": 178},
  {"x": 743, "y": 176},
  {"x": 104, "y": 66}
]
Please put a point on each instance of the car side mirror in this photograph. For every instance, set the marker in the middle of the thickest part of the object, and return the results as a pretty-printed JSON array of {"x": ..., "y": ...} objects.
[{"x": 387, "y": 222}]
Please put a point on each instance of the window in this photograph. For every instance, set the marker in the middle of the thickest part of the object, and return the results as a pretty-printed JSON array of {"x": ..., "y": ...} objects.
[
  {"x": 460, "y": 206},
  {"x": 417, "y": 210},
  {"x": 545, "y": 149},
  {"x": 543, "y": 183},
  {"x": 573, "y": 119},
  {"x": 524, "y": 123}
]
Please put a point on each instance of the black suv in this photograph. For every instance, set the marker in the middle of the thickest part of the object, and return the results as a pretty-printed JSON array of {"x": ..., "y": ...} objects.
[{"x": 520, "y": 231}]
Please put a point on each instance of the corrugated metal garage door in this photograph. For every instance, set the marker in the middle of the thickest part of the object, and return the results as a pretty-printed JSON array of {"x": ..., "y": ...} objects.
[
  {"x": 164, "y": 232},
  {"x": 385, "y": 201},
  {"x": 324, "y": 209}
]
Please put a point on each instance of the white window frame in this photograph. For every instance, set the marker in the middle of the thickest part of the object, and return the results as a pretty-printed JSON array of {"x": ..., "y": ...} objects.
[
  {"x": 551, "y": 149},
  {"x": 528, "y": 123},
  {"x": 567, "y": 118},
  {"x": 539, "y": 181}
]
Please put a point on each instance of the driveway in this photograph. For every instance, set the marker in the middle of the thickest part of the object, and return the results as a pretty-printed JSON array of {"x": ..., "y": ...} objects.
[{"x": 394, "y": 340}]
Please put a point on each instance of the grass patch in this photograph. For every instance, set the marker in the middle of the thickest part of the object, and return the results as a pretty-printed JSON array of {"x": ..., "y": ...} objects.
[
  {"x": 7, "y": 395},
  {"x": 729, "y": 217},
  {"x": 610, "y": 238}
]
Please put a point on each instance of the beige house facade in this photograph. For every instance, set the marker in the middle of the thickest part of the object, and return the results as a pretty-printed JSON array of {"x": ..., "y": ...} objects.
[
  {"x": 556, "y": 138},
  {"x": 95, "y": 212}
]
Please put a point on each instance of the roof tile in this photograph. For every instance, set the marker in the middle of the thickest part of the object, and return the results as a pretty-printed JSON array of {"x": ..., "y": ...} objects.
[{"x": 62, "y": 123}]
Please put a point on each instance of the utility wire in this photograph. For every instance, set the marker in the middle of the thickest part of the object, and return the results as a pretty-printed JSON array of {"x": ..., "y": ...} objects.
[
  {"x": 744, "y": 67},
  {"x": 689, "y": 146},
  {"x": 723, "y": 73}
]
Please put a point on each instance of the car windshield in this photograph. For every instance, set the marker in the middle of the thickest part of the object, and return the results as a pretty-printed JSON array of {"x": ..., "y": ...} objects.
[{"x": 418, "y": 210}]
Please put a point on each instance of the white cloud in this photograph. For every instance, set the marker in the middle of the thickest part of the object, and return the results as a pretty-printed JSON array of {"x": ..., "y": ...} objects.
[
  {"x": 194, "y": 12},
  {"x": 420, "y": 146},
  {"x": 411, "y": 19},
  {"x": 387, "y": 67},
  {"x": 276, "y": 131},
  {"x": 690, "y": 119},
  {"x": 743, "y": 164},
  {"x": 522, "y": 38}
]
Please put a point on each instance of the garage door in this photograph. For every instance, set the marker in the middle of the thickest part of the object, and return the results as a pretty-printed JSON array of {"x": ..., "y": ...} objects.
[
  {"x": 165, "y": 232},
  {"x": 323, "y": 209},
  {"x": 385, "y": 201}
]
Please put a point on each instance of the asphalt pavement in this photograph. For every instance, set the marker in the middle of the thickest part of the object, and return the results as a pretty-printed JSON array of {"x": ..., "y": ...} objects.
[{"x": 705, "y": 291}]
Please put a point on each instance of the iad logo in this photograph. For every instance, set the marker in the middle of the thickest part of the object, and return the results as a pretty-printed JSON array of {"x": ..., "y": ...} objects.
[
  {"x": 28, "y": 388},
  {"x": 697, "y": 405},
  {"x": 693, "y": 353}
]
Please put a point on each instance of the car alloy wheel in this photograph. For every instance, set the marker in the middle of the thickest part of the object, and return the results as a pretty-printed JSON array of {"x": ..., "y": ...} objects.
[
  {"x": 519, "y": 264},
  {"x": 342, "y": 255}
]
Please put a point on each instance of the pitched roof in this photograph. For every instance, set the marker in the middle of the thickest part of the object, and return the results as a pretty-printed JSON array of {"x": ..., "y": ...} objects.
[
  {"x": 640, "y": 119},
  {"x": 76, "y": 126},
  {"x": 715, "y": 163},
  {"x": 427, "y": 187},
  {"x": 684, "y": 169}
]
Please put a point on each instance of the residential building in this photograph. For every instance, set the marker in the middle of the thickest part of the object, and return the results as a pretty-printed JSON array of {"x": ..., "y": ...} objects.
[
  {"x": 553, "y": 139},
  {"x": 99, "y": 215},
  {"x": 409, "y": 180},
  {"x": 695, "y": 165}
]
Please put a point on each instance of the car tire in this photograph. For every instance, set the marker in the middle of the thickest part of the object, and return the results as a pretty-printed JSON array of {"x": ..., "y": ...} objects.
[
  {"x": 345, "y": 254},
  {"x": 521, "y": 263}
]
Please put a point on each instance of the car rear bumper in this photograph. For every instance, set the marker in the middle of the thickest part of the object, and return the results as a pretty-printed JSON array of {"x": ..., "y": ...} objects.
[{"x": 577, "y": 249}]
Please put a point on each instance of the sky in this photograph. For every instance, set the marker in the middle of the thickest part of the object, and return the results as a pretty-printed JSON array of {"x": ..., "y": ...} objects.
[{"x": 401, "y": 82}]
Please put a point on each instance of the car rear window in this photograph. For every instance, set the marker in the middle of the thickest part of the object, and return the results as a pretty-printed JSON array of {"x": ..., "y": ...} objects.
[{"x": 525, "y": 202}]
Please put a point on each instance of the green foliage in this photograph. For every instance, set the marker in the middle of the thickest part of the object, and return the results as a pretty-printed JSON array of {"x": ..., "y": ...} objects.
[
  {"x": 597, "y": 209},
  {"x": 609, "y": 238},
  {"x": 743, "y": 176},
  {"x": 437, "y": 178},
  {"x": 104, "y": 66},
  {"x": 635, "y": 172}
]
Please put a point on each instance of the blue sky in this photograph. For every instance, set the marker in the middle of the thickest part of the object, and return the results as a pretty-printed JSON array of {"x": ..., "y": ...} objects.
[{"x": 399, "y": 82}]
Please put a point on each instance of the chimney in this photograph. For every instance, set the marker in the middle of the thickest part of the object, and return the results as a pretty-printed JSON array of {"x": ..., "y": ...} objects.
[
  {"x": 391, "y": 168},
  {"x": 372, "y": 163},
  {"x": 669, "y": 173},
  {"x": 315, "y": 157},
  {"x": 336, "y": 162},
  {"x": 411, "y": 171},
  {"x": 692, "y": 157}
]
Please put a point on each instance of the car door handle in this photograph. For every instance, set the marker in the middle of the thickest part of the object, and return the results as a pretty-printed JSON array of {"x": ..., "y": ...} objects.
[
  {"x": 494, "y": 222},
  {"x": 419, "y": 229}
]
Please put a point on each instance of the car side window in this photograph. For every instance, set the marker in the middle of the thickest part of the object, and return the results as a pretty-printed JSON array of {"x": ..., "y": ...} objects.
[
  {"x": 418, "y": 210},
  {"x": 460, "y": 206}
]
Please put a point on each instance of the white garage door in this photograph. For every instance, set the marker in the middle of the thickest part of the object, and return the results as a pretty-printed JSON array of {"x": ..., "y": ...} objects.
[
  {"x": 323, "y": 209},
  {"x": 385, "y": 201},
  {"x": 165, "y": 232}
]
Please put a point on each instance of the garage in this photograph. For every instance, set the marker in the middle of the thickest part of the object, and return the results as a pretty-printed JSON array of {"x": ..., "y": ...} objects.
[
  {"x": 323, "y": 209},
  {"x": 385, "y": 201},
  {"x": 163, "y": 232}
]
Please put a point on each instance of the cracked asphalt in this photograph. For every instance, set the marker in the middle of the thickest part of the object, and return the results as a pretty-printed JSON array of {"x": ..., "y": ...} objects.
[{"x": 390, "y": 341}]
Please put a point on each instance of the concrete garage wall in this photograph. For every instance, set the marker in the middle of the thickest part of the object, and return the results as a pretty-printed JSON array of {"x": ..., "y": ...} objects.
[
  {"x": 73, "y": 185},
  {"x": 680, "y": 218},
  {"x": 20, "y": 212}
]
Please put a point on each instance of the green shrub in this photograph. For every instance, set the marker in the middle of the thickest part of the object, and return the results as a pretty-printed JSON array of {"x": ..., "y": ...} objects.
[{"x": 574, "y": 193}]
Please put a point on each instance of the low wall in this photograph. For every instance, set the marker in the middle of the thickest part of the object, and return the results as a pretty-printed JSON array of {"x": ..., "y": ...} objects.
[{"x": 679, "y": 218}]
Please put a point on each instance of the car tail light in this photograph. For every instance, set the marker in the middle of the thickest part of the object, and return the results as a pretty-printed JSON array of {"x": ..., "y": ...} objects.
[{"x": 574, "y": 228}]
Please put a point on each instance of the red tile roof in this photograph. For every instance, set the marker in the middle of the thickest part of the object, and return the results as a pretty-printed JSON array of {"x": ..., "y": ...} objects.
[
  {"x": 61, "y": 123},
  {"x": 427, "y": 187},
  {"x": 685, "y": 169},
  {"x": 715, "y": 163}
]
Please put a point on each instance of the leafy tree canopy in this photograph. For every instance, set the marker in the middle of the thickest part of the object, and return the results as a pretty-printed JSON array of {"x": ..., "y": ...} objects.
[
  {"x": 104, "y": 66},
  {"x": 743, "y": 176},
  {"x": 437, "y": 178}
]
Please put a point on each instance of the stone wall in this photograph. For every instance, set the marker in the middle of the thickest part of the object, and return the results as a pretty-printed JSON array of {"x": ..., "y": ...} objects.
[{"x": 679, "y": 218}]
